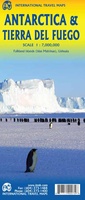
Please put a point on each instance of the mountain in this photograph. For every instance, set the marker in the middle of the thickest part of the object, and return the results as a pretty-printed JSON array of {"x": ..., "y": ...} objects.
[{"x": 35, "y": 96}]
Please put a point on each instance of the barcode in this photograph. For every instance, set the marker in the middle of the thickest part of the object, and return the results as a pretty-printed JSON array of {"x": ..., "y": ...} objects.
[{"x": 67, "y": 189}]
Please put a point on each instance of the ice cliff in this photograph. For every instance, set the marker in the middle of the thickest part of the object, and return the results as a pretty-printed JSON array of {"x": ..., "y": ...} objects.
[
  {"x": 34, "y": 96},
  {"x": 29, "y": 96}
]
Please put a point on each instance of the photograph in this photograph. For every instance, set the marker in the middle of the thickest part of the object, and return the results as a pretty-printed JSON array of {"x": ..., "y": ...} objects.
[{"x": 42, "y": 100}]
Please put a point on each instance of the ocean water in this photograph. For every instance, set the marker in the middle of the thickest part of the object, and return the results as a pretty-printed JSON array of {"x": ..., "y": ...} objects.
[{"x": 44, "y": 115}]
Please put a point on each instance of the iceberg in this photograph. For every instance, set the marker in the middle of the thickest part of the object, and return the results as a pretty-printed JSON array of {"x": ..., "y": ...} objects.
[
  {"x": 28, "y": 96},
  {"x": 35, "y": 96}
]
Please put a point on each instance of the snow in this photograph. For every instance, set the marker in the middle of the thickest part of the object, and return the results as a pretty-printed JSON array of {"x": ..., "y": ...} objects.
[
  {"x": 72, "y": 102},
  {"x": 29, "y": 96},
  {"x": 61, "y": 150},
  {"x": 36, "y": 96}
]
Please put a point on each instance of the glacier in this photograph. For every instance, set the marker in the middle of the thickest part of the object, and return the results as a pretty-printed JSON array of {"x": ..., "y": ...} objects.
[{"x": 35, "y": 96}]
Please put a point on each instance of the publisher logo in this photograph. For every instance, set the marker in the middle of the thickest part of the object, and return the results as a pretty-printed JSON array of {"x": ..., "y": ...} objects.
[
  {"x": 6, "y": 187},
  {"x": 7, "y": 5}
]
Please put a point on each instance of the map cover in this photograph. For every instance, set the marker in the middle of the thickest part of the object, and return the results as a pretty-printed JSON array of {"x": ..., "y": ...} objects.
[{"x": 42, "y": 103}]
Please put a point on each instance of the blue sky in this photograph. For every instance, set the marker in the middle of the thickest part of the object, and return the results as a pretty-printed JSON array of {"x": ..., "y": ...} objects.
[{"x": 68, "y": 73}]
